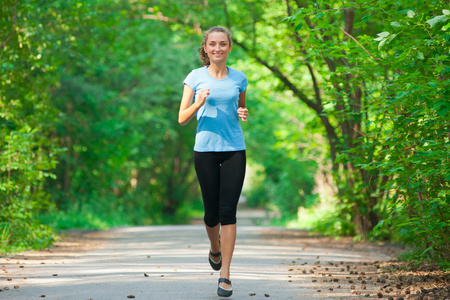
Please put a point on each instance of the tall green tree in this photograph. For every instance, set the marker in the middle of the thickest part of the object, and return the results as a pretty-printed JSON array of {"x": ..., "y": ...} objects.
[
  {"x": 407, "y": 133},
  {"x": 397, "y": 153}
]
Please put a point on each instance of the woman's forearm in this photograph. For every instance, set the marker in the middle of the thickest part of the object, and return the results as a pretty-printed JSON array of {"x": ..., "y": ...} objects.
[{"x": 185, "y": 115}]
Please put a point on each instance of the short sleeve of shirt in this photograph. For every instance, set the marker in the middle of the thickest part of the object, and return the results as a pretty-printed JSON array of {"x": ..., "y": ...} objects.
[
  {"x": 191, "y": 79},
  {"x": 244, "y": 83}
]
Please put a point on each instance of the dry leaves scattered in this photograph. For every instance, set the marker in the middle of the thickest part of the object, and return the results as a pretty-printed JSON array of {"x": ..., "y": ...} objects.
[{"x": 391, "y": 280}]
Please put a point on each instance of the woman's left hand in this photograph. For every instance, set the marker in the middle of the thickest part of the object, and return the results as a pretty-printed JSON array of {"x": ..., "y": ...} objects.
[{"x": 243, "y": 113}]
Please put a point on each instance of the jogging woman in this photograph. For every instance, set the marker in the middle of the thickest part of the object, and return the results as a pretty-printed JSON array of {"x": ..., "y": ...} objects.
[{"x": 215, "y": 93}]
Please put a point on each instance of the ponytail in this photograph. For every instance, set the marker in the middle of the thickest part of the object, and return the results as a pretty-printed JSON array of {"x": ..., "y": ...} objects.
[{"x": 204, "y": 57}]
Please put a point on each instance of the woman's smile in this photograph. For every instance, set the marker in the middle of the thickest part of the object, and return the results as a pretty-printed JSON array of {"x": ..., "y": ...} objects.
[{"x": 217, "y": 46}]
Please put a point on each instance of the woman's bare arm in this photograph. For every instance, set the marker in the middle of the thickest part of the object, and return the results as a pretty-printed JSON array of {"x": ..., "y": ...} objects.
[{"x": 187, "y": 109}]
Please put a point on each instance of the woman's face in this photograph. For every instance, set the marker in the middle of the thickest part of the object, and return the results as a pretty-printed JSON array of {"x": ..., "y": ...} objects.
[{"x": 217, "y": 47}]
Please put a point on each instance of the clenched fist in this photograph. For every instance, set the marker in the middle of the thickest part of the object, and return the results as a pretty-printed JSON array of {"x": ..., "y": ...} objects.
[
  {"x": 202, "y": 97},
  {"x": 243, "y": 113}
]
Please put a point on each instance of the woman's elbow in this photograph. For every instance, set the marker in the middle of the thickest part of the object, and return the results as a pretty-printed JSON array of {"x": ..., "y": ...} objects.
[{"x": 181, "y": 121}]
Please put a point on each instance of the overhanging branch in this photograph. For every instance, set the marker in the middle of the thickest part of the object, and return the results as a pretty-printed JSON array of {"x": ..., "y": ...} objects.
[{"x": 281, "y": 77}]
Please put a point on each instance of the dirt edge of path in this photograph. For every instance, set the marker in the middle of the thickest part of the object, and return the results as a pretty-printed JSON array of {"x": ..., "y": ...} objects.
[{"x": 390, "y": 279}]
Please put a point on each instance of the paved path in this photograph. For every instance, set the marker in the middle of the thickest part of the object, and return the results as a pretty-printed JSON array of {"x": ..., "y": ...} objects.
[{"x": 170, "y": 262}]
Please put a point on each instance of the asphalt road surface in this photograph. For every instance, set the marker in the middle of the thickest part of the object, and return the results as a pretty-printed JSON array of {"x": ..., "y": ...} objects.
[{"x": 171, "y": 262}]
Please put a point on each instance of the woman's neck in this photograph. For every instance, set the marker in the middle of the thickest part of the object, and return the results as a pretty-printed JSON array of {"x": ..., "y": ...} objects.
[{"x": 218, "y": 71}]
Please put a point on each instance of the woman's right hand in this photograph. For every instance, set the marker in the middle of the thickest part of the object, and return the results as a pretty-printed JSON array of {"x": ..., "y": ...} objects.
[{"x": 202, "y": 95}]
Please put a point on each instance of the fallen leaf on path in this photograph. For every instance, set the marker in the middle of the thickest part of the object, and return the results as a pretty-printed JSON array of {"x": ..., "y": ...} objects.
[
  {"x": 266, "y": 295},
  {"x": 131, "y": 296},
  {"x": 252, "y": 294},
  {"x": 145, "y": 274}
]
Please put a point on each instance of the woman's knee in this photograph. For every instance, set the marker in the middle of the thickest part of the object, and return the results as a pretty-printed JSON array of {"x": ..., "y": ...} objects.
[
  {"x": 211, "y": 221},
  {"x": 227, "y": 216}
]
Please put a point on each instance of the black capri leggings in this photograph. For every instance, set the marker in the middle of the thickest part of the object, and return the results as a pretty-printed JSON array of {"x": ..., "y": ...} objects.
[{"x": 221, "y": 176}]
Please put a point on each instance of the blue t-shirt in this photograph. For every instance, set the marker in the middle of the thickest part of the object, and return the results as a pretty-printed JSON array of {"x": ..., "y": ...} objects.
[{"x": 218, "y": 126}]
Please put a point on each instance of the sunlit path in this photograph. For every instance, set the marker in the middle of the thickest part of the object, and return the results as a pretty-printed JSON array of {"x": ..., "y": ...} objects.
[{"x": 170, "y": 262}]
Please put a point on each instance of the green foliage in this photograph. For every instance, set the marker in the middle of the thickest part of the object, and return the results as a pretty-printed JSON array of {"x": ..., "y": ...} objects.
[
  {"x": 127, "y": 161},
  {"x": 410, "y": 129},
  {"x": 27, "y": 151},
  {"x": 325, "y": 217},
  {"x": 281, "y": 150},
  {"x": 399, "y": 150},
  {"x": 88, "y": 119}
]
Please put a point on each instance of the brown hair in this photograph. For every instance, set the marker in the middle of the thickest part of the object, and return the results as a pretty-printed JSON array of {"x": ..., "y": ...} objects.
[{"x": 201, "y": 50}]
